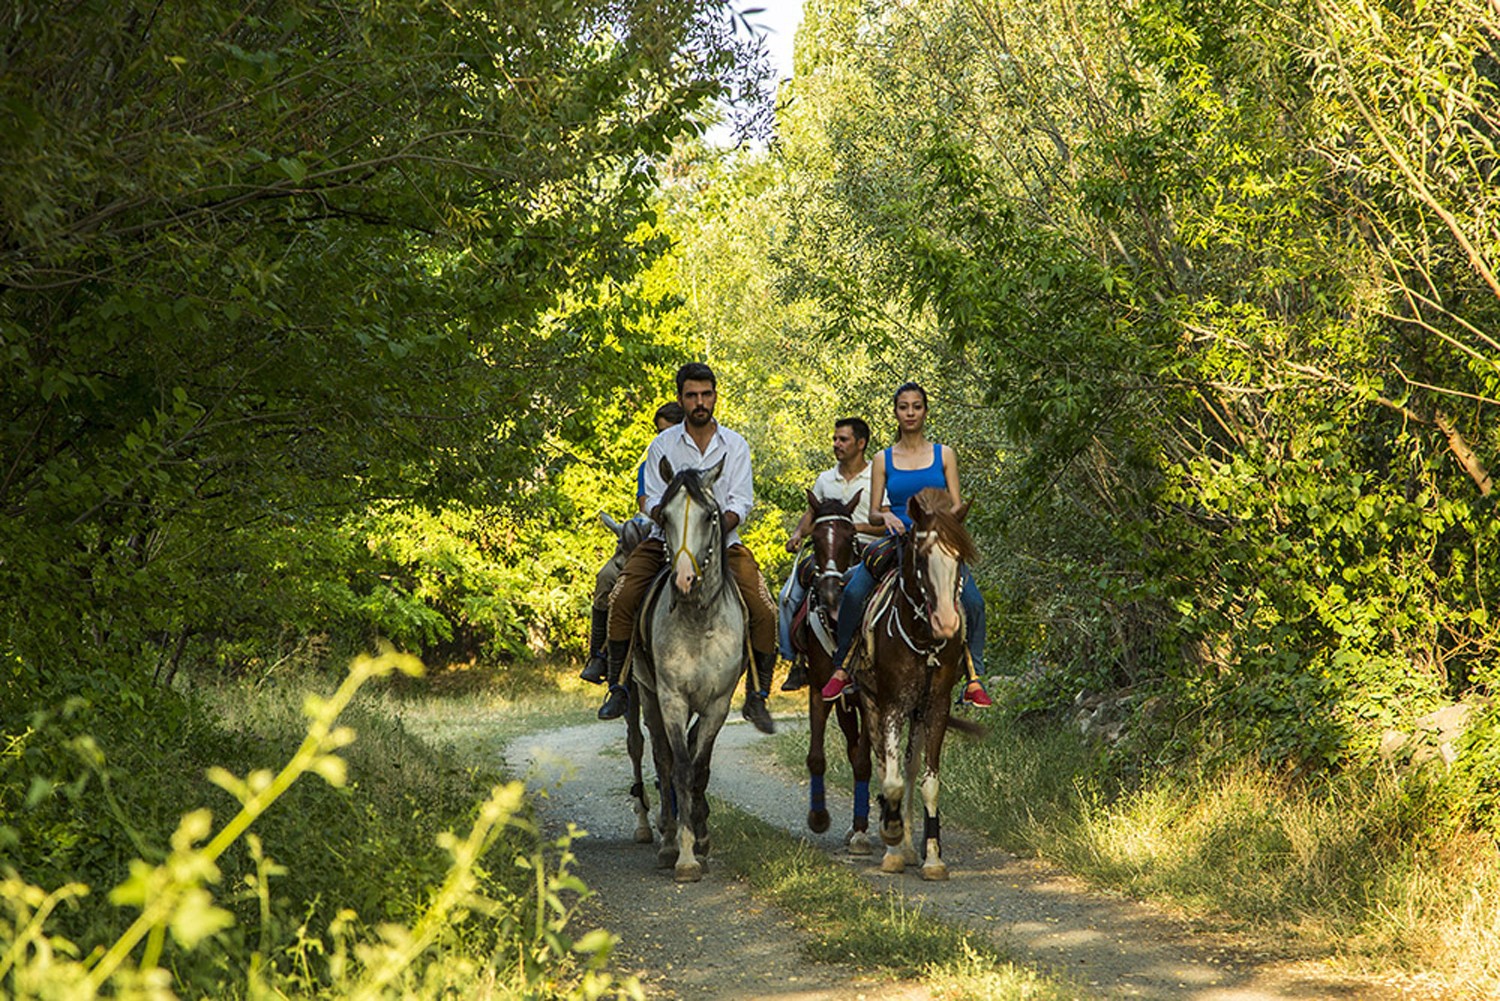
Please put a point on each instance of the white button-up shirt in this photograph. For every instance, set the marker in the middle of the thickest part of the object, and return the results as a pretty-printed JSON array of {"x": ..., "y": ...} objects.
[
  {"x": 733, "y": 489},
  {"x": 830, "y": 484}
]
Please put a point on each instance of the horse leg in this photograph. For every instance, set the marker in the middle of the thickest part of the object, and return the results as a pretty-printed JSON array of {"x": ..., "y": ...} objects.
[
  {"x": 933, "y": 867},
  {"x": 916, "y": 741},
  {"x": 635, "y": 744},
  {"x": 704, "y": 736},
  {"x": 857, "y": 749},
  {"x": 661, "y": 758},
  {"x": 892, "y": 788},
  {"x": 817, "y": 764},
  {"x": 687, "y": 868}
]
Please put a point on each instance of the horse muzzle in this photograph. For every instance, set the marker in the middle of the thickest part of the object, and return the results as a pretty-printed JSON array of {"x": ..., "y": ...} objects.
[{"x": 946, "y": 621}]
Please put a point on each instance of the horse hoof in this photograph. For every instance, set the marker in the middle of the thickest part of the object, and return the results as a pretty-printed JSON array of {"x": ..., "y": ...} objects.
[
  {"x": 860, "y": 844},
  {"x": 688, "y": 872},
  {"x": 817, "y": 821},
  {"x": 643, "y": 835},
  {"x": 666, "y": 858},
  {"x": 893, "y": 863},
  {"x": 935, "y": 873}
]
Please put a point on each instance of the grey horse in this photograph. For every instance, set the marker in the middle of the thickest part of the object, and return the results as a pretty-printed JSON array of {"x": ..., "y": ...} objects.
[{"x": 688, "y": 661}]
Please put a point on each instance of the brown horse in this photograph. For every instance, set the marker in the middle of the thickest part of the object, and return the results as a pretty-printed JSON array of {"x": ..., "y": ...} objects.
[
  {"x": 833, "y": 538},
  {"x": 914, "y": 637}
]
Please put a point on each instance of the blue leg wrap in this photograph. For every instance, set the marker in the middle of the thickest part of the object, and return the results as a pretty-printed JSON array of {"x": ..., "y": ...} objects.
[
  {"x": 862, "y": 798},
  {"x": 815, "y": 793}
]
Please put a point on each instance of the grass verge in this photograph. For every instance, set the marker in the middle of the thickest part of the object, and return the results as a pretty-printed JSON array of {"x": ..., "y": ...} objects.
[
  {"x": 849, "y": 921},
  {"x": 1351, "y": 868}
]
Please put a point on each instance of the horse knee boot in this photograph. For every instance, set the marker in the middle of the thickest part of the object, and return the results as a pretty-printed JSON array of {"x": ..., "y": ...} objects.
[
  {"x": 618, "y": 698},
  {"x": 597, "y": 667},
  {"x": 755, "y": 699}
]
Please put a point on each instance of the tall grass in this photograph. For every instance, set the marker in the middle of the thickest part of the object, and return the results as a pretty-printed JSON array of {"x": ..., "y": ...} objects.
[
  {"x": 376, "y": 866},
  {"x": 1363, "y": 867}
]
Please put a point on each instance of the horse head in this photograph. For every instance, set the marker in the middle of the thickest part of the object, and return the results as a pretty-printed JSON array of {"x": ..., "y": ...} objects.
[
  {"x": 629, "y": 534},
  {"x": 693, "y": 528},
  {"x": 833, "y": 544},
  {"x": 939, "y": 548}
]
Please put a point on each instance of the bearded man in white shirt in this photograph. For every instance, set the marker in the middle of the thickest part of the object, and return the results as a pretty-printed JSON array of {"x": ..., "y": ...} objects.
[{"x": 698, "y": 442}]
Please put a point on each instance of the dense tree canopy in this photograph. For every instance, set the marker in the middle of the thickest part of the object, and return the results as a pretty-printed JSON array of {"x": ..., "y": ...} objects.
[{"x": 266, "y": 264}]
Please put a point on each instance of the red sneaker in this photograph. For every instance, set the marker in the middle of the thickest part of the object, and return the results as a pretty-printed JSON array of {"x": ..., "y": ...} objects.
[
  {"x": 835, "y": 687},
  {"x": 975, "y": 695}
]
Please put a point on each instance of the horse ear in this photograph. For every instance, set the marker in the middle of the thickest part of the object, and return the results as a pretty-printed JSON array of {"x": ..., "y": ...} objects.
[
  {"x": 712, "y": 473},
  {"x": 812, "y": 499},
  {"x": 962, "y": 511},
  {"x": 852, "y": 504},
  {"x": 610, "y": 523},
  {"x": 665, "y": 469}
]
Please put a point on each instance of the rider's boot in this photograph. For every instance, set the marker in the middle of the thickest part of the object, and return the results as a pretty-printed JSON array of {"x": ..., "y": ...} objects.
[
  {"x": 755, "y": 698},
  {"x": 618, "y": 697},
  {"x": 597, "y": 668},
  {"x": 796, "y": 676}
]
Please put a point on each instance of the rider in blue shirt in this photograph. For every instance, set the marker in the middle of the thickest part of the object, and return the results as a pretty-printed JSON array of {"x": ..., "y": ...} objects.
[{"x": 908, "y": 466}]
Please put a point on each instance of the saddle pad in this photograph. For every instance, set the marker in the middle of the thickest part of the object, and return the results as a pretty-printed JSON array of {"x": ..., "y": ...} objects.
[{"x": 880, "y": 600}]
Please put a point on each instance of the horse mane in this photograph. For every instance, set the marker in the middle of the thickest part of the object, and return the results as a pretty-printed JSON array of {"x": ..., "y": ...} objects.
[
  {"x": 938, "y": 507},
  {"x": 690, "y": 480},
  {"x": 828, "y": 505}
]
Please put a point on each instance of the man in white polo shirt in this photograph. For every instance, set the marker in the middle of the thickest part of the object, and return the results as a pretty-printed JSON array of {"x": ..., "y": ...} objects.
[{"x": 851, "y": 436}]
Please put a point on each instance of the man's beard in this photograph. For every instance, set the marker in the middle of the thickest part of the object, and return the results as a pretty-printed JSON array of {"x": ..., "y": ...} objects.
[{"x": 700, "y": 418}]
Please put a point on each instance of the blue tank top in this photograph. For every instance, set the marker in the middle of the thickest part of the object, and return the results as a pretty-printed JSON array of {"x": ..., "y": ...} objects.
[{"x": 901, "y": 485}]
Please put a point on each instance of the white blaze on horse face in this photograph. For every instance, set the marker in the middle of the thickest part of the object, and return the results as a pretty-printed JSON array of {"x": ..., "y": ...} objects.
[
  {"x": 685, "y": 571},
  {"x": 944, "y": 569}
]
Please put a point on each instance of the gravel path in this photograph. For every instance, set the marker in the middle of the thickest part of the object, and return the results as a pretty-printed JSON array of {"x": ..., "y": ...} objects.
[{"x": 712, "y": 940}]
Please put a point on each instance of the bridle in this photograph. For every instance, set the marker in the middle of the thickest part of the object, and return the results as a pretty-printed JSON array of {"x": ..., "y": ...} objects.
[{"x": 923, "y": 542}]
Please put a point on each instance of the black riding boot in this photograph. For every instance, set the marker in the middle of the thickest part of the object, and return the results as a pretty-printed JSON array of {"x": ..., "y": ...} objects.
[
  {"x": 597, "y": 667},
  {"x": 796, "y": 676},
  {"x": 755, "y": 697},
  {"x": 618, "y": 697}
]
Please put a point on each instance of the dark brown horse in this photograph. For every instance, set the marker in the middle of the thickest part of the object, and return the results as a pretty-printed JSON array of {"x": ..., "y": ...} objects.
[
  {"x": 914, "y": 636},
  {"x": 833, "y": 538}
]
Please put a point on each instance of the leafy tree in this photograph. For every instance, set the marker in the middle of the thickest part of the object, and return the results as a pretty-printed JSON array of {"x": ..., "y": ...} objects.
[{"x": 265, "y": 265}]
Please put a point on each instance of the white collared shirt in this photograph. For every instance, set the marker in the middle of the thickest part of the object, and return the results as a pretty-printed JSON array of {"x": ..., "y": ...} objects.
[
  {"x": 733, "y": 489},
  {"x": 830, "y": 484}
]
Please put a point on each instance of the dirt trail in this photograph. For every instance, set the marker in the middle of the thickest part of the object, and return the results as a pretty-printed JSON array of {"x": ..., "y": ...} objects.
[{"x": 712, "y": 940}]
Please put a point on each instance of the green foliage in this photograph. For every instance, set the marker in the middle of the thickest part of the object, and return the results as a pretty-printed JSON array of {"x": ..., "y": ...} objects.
[
  {"x": 265, "y": 267},
  {"x": 1222, "y": 276},
  {"x": 348, "y": 888}
]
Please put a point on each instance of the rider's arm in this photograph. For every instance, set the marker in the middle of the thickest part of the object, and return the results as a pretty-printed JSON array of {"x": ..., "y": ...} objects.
[
  {"x": 887, "y": 521},
  {"x": 804, "y": 525},
  {"x": 950, "y": 474},
  {"x": 738, "y": 490}
]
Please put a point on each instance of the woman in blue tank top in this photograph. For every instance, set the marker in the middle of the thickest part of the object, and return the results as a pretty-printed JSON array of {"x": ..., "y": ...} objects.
[{"x": 911, "y": 464}]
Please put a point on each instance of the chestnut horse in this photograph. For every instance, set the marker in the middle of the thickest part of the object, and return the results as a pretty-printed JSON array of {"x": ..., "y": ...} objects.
[
  {"x": 833, "y": 538},
  {"x": 914, "y": 636}
]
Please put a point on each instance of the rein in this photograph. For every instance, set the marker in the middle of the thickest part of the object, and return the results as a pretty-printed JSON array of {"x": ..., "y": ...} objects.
[{"x": 923, "y": 609}]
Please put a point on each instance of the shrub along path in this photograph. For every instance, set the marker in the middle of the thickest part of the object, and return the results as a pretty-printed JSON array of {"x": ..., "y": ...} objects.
[{"x": 712, "y": 940}]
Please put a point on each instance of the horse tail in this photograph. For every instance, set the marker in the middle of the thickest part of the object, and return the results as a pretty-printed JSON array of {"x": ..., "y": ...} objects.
[{"x": 967, "y": 727}]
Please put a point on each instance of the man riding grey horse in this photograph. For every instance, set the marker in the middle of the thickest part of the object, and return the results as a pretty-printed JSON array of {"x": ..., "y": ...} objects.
[{"x": 698, "y": 442}]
